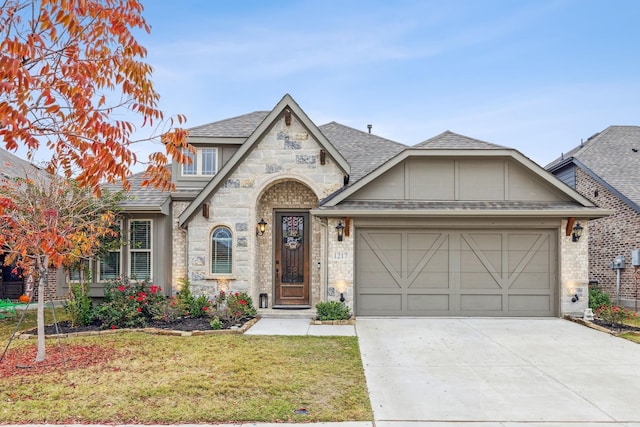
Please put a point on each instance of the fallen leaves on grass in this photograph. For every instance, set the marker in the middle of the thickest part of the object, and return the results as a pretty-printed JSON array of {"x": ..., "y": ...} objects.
[{"x": 21, "y": 361}]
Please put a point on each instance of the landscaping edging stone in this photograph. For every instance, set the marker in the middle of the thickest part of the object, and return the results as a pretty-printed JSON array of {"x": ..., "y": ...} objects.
[
  {"x": 594, "y": 326},
  {"x": 156, "y": 331},
  {"x": 351, "y": 321}
]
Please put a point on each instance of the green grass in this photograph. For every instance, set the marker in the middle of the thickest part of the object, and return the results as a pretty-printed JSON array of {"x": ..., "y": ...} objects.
[
  {"x": 631, "y": 337},
  {"x": 634, "y": 321},
  {"x": 198, "y": 379}
]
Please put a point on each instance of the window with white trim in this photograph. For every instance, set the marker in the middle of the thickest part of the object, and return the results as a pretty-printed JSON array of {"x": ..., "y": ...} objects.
[
  {"x": 204, "y": 162},
  {"x": 140, "y": 246},
  {"x": 110, "y": 262},
  {"x": 221, "y": 251}
]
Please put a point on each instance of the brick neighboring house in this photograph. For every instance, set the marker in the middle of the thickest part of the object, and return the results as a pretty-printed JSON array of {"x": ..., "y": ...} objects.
[
  {"x": 450, "y": 226},
  {"x": 606, "y": 169},
  {"x": 12, "y": 285}
]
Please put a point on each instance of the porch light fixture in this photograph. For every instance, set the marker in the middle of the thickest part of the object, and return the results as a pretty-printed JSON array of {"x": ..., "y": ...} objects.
[
  {"x": 261, "y": 228},
  {"x": 342, "y": 300},
  {"x": 340, "y": 230},
  {"x": 577, "y": 232}
]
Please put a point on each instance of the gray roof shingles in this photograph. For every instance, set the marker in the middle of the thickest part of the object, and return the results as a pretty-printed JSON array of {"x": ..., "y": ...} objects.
[
  {"x": 12, "y": 166},
  {"x": 364, "y": 151},
  {"x": 453, "y": 141},
  {"x": 610, "y": 155},
  {"x": 235, "y": 127}
]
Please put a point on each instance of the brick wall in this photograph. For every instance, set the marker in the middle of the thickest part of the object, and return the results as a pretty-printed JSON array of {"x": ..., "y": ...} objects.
[{"x": 609, "y": 237}]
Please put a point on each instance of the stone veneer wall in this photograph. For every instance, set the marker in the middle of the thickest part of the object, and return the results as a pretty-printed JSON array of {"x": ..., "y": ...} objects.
[
  {"x": 341, "y": 263},
  {"x": 283, "y": 153},
  {"x": 610, "y": 237},
  {"x": 179, "y": 246},
  {"x": 574, "y": 271}
]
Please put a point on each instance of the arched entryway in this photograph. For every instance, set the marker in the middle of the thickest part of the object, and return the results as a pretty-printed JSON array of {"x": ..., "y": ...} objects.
[{"x": 286, "y": 251}]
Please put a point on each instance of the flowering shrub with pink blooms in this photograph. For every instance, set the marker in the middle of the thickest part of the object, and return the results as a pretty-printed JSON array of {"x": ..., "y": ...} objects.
[
  {"x": 130, "y": 303},
  {"x": 613, "y": 315},
  {"x": 232, "y": 307}
]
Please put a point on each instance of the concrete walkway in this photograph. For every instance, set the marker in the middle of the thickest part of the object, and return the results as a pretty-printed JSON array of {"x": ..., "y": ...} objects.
[{"x": 280, "y": 326}]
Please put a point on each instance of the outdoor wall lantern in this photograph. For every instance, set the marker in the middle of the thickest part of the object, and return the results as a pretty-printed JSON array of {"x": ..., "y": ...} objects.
[
  {"x": 342, "y": 300},
  {"x": 262, "y": 227},
  {"x": 577, "y": 232},
  {"x": 340, "y": 230}
]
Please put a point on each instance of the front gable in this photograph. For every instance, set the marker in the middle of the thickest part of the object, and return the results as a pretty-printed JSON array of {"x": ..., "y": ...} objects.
[
  {"x": 284, "y": 114},
  {"x": 465, "y": 181},
  {"x": 459, "y": 178}
]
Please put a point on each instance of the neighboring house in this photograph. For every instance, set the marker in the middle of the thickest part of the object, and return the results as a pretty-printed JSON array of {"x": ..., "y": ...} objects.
[
  {"x": 298, "y": 213},
  {"x": 12, "y": 281},
  {"x": 606, "y": 169}
]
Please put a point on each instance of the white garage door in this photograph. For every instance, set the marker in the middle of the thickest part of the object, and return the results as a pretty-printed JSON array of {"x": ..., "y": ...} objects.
[{"x": 402, "y": 272}]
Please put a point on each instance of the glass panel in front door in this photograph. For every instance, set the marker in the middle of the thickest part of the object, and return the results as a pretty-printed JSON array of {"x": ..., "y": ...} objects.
[{"x": 292, "y": 249}]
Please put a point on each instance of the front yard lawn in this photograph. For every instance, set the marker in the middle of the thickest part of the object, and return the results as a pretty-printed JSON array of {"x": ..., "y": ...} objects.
[{"x": 142, "y": 378}]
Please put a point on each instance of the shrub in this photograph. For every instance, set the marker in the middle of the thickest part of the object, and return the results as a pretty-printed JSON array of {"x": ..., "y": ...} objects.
[
  {"x": 130, "y": 303},
  {"x": 189, "y": 304},
  {"x": 79, "y": 306},
  {"x": 233, "y": 307},
  {"x": 598, "y": 298},
  {"x": 614, "y": 315},
  {"x": 216, "y": 323},
  {"x": 332, "y": 310}
]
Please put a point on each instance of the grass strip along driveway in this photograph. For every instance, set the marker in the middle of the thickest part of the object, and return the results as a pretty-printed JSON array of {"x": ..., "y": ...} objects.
[{"x": 141, "y": 378}]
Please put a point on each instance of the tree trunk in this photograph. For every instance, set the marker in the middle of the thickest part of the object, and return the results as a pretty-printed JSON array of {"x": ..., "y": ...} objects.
[{"x": 41, "y": 264}]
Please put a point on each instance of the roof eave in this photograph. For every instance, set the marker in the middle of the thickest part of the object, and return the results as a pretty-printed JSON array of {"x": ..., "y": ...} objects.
[{"x": 431, "y": 213}]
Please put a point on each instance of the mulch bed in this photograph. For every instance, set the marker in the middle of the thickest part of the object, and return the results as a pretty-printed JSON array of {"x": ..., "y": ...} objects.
[
  {"x": 21, "y": 362},
  {"x": 615, "y": 328},
  {"x": 187, "y": 324}
]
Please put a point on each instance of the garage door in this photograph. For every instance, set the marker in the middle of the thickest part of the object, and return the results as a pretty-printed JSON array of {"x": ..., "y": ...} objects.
[{"x": 455, "y": 272}]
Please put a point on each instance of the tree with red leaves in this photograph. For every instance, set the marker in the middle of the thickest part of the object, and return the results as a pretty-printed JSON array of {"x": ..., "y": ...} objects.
[
  {"x": 67, "y": 68},
  {"x": 48, "y": 221}
]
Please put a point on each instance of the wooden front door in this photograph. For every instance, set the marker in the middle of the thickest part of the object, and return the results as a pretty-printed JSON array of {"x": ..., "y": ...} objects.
[{"x": 292, "y": 258}]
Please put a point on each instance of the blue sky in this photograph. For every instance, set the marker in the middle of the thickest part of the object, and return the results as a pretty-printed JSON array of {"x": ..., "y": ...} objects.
[{"x": 537, "y": 76}]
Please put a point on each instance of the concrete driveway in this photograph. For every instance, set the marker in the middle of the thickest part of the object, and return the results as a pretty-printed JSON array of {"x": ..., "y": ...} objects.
[{"x": 485, "y": 372}]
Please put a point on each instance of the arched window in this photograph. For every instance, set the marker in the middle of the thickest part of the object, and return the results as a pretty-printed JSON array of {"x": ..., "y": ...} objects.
[{"x": 221, "y": 251}]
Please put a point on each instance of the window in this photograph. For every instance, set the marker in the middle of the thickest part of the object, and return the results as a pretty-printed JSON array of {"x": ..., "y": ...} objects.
[
  {"x": 140, "y": 249},
  {"x": 80, "y": 272},
  {"x": 109, "y": 263},
  {"x": 190, "y": 168},
  {"x": 221, "y": 251},
  {"x": 204, "y": 162},
  {"x": 109, "y": 266}
]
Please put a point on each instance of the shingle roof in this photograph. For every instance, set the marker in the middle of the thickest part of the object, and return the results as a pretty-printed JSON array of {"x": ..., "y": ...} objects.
[
  {"x": 145, "y": 198},
  {"x": 610, "y": 155},
  {"x": 235, "y": 127},
  {"x": 364, "y": 151},
  {"x": 451, "y": 140},
  {"x": 13, "y": 166}
]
